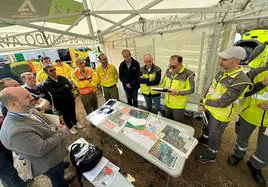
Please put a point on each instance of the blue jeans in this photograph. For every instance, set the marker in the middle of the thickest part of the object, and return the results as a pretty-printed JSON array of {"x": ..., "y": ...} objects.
[
  {"x": 152, "y": 100},
  {"x": 56, "y": 175},
  {"x": 8, "y": 174},
  {"x": 132, "y": 96}
]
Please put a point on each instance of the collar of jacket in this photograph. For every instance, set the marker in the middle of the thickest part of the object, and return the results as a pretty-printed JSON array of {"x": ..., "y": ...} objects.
[
  {"x": 234, "y": 72},
  {"x": 181, "y": 70}
]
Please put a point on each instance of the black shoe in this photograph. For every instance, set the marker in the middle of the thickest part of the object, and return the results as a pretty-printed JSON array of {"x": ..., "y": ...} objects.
[
  {"x": 256, "y": 174},
  {"x": 203, "y": 141},
  {"x": 66, "y": 164},
  {"x": 204, "y": 158},
  {"x": 233, "y": 160}
]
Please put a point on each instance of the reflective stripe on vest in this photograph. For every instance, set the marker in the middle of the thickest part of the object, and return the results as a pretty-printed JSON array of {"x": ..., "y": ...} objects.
[
  {"x": 147, "y": 90},
  {"x": 83, "y": 77}
]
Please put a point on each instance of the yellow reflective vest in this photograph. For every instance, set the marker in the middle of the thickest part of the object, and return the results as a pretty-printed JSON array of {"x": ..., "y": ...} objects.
[
  {"x": 151, "y": 76},
  {"x": 64, "y": 70},
  {"x": 182, "y": 83},
  {"x": 108, "y": 76},
  {"x": 250, "y": 111},
  {"x": 86, "y": 81},
  {"x": 41, "y": 76},
  {"x": 221, "y": 84}
]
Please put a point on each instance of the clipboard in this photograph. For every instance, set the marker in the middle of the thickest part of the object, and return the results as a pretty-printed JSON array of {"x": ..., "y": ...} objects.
[{"x": 161, "y": 89}]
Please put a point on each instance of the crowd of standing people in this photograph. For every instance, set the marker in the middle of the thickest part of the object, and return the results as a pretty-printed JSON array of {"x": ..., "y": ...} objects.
[{"x": 27, "y": 132}]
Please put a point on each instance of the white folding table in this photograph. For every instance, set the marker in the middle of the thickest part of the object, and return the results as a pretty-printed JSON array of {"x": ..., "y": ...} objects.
[{"x": 176, "y": 171}]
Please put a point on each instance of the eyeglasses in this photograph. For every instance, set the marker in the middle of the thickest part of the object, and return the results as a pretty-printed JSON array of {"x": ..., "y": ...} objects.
[{"x": 52, "y": 70}]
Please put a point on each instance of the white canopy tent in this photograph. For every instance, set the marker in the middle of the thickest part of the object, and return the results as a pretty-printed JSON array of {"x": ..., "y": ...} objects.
[{"x": 194, "y": 29}]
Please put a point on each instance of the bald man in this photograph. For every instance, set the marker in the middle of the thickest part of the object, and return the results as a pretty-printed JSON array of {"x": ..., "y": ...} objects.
[
  {"x": 150, "y": 76},
  {"x": 32, "y": 136},
  {"x": 8, "y": 174}
]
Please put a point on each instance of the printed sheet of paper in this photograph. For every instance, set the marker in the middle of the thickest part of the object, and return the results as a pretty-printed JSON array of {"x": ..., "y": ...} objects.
[
  {"x": 92, "y": 174},
  {"x": 165, "y": 153},
  {"x": 99, "y": 115},
  {"x": 106, "y": 175},
  {"x": 140, "y": 134},
  {"x": 140, "y": 114},
  {"x": 179, "y": 140},
  {"x": 116, "y": 121}
]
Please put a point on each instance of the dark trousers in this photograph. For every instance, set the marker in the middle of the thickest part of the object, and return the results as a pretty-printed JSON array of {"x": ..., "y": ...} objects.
[
  {"x": 150, "y": 100},
  {"x": 213, "y": 131},
  {"x": 56, "y": 175},
  {"x": 111, "y": 92},
  {"x": 244, "y": 130},
  {"x": 67, "y": 110},
  {"x": 132, "y": 96},
  {"x": 8, "y": 174},
  {"x": 90, "y": 102},
  {"x": 176, "y": 114}
]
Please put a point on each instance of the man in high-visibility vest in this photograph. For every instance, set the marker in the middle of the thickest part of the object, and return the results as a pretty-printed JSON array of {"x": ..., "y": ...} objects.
[
  {"x": 63, "y": 69},
  {"x": 108, "y": 78},
  {"x": 219, "y": 102},
  {"x": 86, "y": 81},
  {"x": 41, "y": 75},
  {"x": 253, "y": 114},
  {"x": 150, "y": 76},
  {"x": 179, "y": 81}
]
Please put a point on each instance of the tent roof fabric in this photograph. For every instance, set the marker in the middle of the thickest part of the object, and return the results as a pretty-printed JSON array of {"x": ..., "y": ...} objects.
[{"x": 100, "y": 19}]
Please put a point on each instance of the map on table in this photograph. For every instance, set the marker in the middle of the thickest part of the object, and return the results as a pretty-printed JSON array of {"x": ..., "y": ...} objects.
[
  {"x": 143, "y": 132},
  {"x": 140, "y": 114},
  {"x": 178, "y": 139},
  {"x": 165, "y": 153},
  {"x": 116, "y": 121}
]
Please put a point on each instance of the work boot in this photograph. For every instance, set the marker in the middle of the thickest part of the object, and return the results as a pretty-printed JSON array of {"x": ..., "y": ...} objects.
[
  {"x": 203, "y": 141},
  {"x": 256, "y": 174},
  {"x": 206, "y": 157},
  {"x": 233, "y": 160}
]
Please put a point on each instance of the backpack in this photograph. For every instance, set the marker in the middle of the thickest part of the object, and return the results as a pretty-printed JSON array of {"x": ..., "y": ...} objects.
[{"x": 84, "y": 157}]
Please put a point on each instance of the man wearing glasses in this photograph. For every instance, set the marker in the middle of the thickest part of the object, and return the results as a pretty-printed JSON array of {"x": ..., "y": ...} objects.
[{"x": 64, "y": 101}]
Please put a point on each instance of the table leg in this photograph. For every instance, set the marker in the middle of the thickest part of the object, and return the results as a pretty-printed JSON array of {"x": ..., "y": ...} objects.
[{"x": 168, "y": 179}]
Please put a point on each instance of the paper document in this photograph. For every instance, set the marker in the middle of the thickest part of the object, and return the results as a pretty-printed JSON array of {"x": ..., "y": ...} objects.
[{"x": 179, "y": 140}]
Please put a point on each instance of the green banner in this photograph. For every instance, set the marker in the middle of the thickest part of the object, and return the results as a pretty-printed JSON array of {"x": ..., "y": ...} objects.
[
  {"x": 64, "y": 7},
  {"x": 23, "y": 9}
]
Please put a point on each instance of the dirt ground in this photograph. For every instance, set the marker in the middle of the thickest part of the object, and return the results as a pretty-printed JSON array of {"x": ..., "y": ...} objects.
[{"x": 218, "y": 174}]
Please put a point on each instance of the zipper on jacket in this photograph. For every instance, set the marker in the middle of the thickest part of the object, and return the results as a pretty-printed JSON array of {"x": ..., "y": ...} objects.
[
  {"x": 262, "y": 119},
  {"x": 231, "y": 110}
]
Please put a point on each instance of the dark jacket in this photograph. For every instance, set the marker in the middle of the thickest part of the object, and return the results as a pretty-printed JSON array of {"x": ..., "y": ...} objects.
[
  {"x": 61, "y": 92},
  {"x": 130, "y": 75}
]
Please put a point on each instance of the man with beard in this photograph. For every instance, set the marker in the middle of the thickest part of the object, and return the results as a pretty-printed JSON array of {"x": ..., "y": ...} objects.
[
  {"x": 108, "y": 78},
  {"x": 61, "y": 90},
  {"x": 32, "y": 136},
  {"x": 179, "y": 82},
  {"x": 8, "y": 174},
  {"x": 85, "y": 79}
]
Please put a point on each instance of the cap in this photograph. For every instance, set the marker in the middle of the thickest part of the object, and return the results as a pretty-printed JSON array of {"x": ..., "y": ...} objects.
[{"x": 233, "y": 52}]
